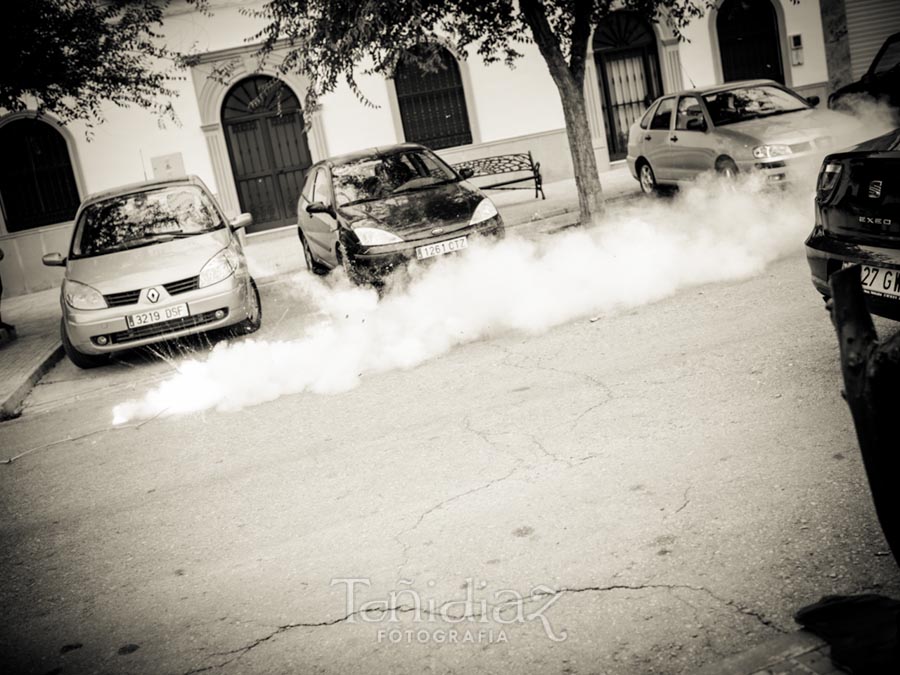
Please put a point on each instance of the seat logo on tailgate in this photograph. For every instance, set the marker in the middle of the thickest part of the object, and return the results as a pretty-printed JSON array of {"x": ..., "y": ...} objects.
[{"x": 875, "y": 189}]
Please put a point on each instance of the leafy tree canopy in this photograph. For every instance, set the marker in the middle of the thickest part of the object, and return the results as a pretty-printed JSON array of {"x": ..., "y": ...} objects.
[{"x": 69, "y": 56}]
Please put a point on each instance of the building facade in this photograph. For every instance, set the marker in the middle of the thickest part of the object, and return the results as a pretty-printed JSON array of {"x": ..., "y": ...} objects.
[{"x": 254, "y": 156}]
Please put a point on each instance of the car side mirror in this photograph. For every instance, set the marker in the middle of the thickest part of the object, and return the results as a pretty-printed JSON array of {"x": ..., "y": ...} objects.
[
  {"x": 466, "y": 172},
  {"x": 696, "y": 124},
  {"x": 319, "y": 207},
  {"x": 813, "y": 100},
  {"x": 242, "y": 221},
  {"x": 54, "y": 260}
]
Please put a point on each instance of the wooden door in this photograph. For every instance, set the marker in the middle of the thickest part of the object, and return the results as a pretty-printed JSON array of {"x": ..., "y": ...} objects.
[
  {"x": 268, "y": 149},
  {"x": 749, "y": 42}
]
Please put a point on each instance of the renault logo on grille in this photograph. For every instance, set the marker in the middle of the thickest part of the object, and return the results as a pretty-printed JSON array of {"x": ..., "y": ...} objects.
[
  {"x": 153, "y": 295},
  {"x": 875, "y": 189}
]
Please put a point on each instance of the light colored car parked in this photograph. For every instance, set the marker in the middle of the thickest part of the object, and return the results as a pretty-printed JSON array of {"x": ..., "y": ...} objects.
[
  {"x": 150, "y": 262},
  {"x": 753, "y": 125}
]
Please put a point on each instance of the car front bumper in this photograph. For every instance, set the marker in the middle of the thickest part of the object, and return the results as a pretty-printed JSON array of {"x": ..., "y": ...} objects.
[
  {"x": 382, "y": 260},
  {"x": 826, "y": 255},
  {"x": 220, "y": 305}
]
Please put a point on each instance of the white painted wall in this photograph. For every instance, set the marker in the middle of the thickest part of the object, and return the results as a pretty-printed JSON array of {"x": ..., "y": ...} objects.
[{"x": 701, "y": 62}]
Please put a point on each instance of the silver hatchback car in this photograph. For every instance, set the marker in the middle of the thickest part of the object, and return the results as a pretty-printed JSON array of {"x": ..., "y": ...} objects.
[
  {"x": 150, "y": 262},
  {"x": 752, "y": 125}
]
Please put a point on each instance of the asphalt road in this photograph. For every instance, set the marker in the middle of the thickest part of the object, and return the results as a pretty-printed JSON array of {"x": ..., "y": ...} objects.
[{"x": 645, "y": 493}]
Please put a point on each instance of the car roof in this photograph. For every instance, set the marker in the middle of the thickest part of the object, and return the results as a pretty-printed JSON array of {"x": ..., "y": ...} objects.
[
  {"x": 737, "y": 84},
  {"x": 376, "y": 151},
  {"x": 143, "y": 186}
]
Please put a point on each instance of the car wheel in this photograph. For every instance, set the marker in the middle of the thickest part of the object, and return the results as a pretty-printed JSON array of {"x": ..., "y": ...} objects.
[
  {"x": 352, "y": 271},
  {"x": 727, "y": 168},
  {"x": 647, "y": 179},
  {"x": 311, "y": 264},
  {"x": 254, "y": 314},
  {"x": 81, "y": 360}
]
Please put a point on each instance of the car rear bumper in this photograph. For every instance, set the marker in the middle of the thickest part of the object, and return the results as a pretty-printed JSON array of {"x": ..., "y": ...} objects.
[
  {"x": 217, "y": 306},
  {"x": 826, "y": 255},
  {"x": 381, "y": 260}
]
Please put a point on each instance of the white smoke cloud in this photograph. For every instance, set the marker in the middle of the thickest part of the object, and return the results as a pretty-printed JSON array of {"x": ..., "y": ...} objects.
[{"x": 638, "y": 253}]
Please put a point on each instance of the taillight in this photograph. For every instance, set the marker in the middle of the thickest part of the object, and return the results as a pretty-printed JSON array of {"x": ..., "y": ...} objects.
[{"x": 829, "y": 177}]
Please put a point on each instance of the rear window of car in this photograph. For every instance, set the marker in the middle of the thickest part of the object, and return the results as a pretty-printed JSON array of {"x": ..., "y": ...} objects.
[
  {"x": 747, "y": 103},
  {"x": 645, "y": 120},
  {"x": 144, "y": 218},
  {"x": 663, "y": 116},
  {"x": 889, "y": 57}
]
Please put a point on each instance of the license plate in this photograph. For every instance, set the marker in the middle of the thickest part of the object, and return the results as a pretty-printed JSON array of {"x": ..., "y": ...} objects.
[
  {"x": 441, "y": 247},
  {"x": 158, "y": 315},
  {"x": 880, "y": 281}
]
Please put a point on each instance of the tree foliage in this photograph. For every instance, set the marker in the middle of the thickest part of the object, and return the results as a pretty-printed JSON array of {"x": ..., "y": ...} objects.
[
  {"x": 67, "y": 57},
  {"x": 333, "y": 40}
]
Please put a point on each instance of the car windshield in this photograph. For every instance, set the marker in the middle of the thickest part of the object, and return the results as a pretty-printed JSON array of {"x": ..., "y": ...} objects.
[
  {"x": 380, "y": 177},
  {"x": 889, "y": 58},
  {"x": 747, "y": 103},
  {"x": 144, "y": 218}
]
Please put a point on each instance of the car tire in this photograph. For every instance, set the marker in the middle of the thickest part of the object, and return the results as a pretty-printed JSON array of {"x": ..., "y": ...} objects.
[
  {"x": 353, "y": 273},
  {"x": 647, "y": 179},
  {"x": 254, "y": 314},
  {"x": 726, "y": 168},
  {"x": 311, "y": 263},
  {"x": 83, "y": 361}
]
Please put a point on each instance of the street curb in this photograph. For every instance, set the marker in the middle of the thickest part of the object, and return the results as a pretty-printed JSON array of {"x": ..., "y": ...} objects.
[
  {"x": 558, "y": 213},
  {"x": 10, "y": 408},
  {"x": 795, "y": 652}
]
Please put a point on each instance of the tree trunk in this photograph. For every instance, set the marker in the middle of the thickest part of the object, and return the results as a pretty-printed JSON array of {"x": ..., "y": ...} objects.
[
  {"x": 871, "y": 372},
  {"x": 584, "y": 163},
  {"x": 569, "y": 80}
]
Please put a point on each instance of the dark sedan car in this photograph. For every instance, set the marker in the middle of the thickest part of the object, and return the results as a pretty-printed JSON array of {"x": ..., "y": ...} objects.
[
  {"x": 374, "y": 210},
  {"x": 858, "y": 221},
  {"x": 881, "y": 82}
]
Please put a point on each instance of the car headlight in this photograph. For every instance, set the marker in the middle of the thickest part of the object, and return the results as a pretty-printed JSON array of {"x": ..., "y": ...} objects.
[
  {"x": 769, "y": 151},
  {"x": 484, "y": 211},
  {"x": 221, "y": 266},
  {"x": 82, "y": 296},
  {"x": 372, "y": 236},
  {"x": 829, "y": 177}
]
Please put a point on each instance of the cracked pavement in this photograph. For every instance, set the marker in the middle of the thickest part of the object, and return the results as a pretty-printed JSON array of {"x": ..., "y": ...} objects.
[{"x": 670, "y": 484}]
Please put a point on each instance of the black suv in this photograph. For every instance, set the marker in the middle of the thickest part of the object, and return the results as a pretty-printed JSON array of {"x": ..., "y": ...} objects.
[
  {"x": 858, "y": 220},
  {"x": 881, "y": 82}
]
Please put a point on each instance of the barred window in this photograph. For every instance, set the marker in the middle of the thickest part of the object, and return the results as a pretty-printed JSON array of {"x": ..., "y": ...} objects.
[
  {"x": 432, "y": 101},
  {"x": 37, "y": 184}
]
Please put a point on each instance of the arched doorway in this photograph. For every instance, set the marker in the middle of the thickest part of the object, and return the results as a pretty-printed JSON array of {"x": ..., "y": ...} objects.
[
  {"x": 37, "y": 184},
  {"x": 269, "y": 153},
  {"x": 749, "y": 40},
  {"x": 628, "y": 69},
  {"x": 432, "y": 102}
]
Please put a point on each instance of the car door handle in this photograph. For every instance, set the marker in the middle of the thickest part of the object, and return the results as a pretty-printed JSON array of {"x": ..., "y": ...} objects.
[
  {"x": 674, "y": 138},
  {"x": 648, "y": 137}
]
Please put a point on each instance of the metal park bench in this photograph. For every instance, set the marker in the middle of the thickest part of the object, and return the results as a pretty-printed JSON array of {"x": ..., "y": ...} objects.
[{"x": 505, "y": 164}]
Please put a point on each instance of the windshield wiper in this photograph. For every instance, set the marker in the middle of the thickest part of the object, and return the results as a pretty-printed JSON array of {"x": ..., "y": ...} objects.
[{"x": 427, "y": 186}]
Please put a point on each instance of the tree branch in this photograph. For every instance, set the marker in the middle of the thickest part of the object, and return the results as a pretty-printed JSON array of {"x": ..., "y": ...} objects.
[
  {"x": 547, "y": 41},
  {"x": 580, "y": 33}
]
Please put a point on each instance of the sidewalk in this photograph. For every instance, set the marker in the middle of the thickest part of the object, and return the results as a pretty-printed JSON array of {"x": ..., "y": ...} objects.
[{"x": 276, "y": 252}]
